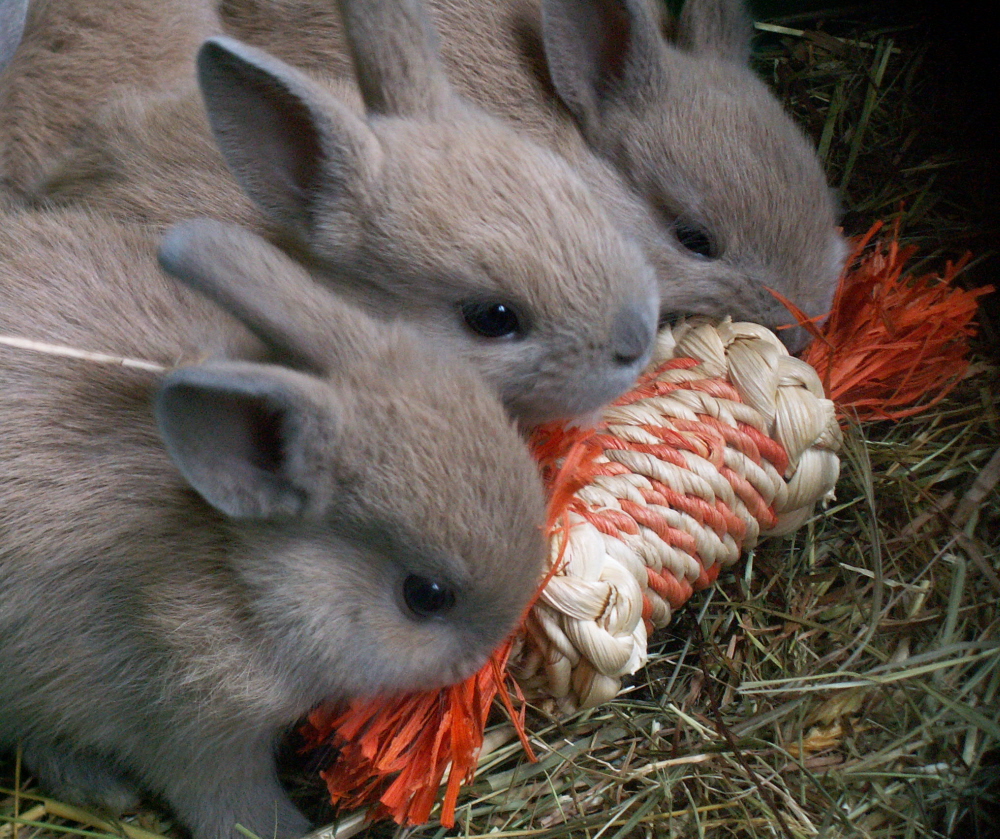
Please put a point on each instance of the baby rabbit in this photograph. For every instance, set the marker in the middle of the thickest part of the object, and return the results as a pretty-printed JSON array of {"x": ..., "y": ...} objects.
[
  {"x": 422, "y": 208},
  {"x": 192, "y": 560},
  {"x": 693, "y": 154},
  {"x": 76, "y": 55}
]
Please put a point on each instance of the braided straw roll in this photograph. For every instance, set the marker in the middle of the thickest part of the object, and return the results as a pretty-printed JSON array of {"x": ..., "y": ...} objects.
[{"x": 726, "y": 439}]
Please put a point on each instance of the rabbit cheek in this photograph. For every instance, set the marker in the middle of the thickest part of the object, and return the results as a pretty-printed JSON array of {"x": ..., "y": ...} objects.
[
  {"x": 551, "y": 375},
  {"x": 342, "y": 629}
]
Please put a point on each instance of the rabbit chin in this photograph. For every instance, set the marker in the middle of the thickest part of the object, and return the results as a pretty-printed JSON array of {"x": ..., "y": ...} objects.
[
  {"x": 439, "y": 674},
  {"x": 549, "y": 395},
  {"x": 409, "y": 669}
]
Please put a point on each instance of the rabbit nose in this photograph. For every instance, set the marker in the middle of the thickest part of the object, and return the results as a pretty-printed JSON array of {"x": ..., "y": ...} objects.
[{"x": 631, "y": 335}]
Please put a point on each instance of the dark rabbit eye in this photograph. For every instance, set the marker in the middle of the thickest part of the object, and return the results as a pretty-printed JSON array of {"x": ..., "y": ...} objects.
[
  {"x": 694, "y": 237},
  {"x": 427, "y": 598},
  {"x": 491, "y": 319}
]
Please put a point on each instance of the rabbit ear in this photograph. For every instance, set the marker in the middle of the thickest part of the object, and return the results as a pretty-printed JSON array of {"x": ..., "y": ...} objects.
[
  {"x": 243, "y": 435},
  {"x": 12, "y": 17},
  {"x": 721, "y": 28},
  {"x": 396, "y": 57},
  {"x": 282, "y": 137},
  {"x": 271, "y": 294},
  {"x": 598, "y": 50}
]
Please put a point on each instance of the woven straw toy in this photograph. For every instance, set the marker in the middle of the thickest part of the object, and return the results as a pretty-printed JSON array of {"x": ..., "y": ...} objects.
[{"x": 725, "y": 439}]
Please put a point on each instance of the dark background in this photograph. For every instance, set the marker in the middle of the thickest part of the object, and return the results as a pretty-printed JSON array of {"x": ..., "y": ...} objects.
[{"x": 952, "y": 109}]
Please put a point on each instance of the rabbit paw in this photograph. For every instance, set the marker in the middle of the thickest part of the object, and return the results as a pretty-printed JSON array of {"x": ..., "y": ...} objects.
[{"x": 82, "y": 778}]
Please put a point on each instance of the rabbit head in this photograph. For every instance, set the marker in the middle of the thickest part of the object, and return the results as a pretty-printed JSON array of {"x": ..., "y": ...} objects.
[
  {"x": 439, "y": 552},
  {"x": 427, "y": 209},
  {"x": 735, "y": 198}
]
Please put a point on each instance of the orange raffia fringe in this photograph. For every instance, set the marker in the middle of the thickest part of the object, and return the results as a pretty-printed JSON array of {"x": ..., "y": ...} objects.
[
  {"x": 681, "y": 474},
  {"x": 892, "y": 346},
  {"x": 378, "y": 742}
]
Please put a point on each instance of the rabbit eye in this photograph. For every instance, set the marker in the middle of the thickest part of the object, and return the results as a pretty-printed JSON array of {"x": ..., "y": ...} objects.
[
  {"x": 427, "y": 598},
  {"x": 492, "y": 319},
  {"x": 694, "y": 237}
]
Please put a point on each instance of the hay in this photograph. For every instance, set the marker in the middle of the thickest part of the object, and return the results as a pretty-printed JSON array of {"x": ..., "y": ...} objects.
[{"x": 841, "y": 682}]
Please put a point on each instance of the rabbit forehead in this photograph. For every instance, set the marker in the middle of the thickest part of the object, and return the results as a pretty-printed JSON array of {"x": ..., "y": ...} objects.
[
  {"x": 472, "y": 194},
  {"x": 435, "y": 455},
  {"x": 727, "y": 139}
]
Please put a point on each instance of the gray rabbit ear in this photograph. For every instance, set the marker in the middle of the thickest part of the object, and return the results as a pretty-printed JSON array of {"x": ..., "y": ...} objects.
[
  {"x": 599, "y": 50},
  {"x": 720, "y": 28},
  {"x": 12, "y": 16},
  {"x": 241, "y": 435},
  {"x": 284, "y": 139},
  {"x": 396, "y": 57},
  {"x": 252, "y": 280},
  {"x": 303, "y": 323}
]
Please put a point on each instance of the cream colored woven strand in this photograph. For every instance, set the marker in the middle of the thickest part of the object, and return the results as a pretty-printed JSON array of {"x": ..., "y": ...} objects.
[{"x": 587, "y": 630}]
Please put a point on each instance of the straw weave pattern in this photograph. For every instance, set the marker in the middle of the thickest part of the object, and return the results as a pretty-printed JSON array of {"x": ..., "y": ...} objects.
[{"x": 726, "y": 439}]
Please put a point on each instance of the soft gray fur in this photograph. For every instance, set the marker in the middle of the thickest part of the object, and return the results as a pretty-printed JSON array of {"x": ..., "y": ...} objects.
[
  {"x": 417, "y": 205},
  {"x": 191, "y": 561},
  {"x": 678, "y": 135}
]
